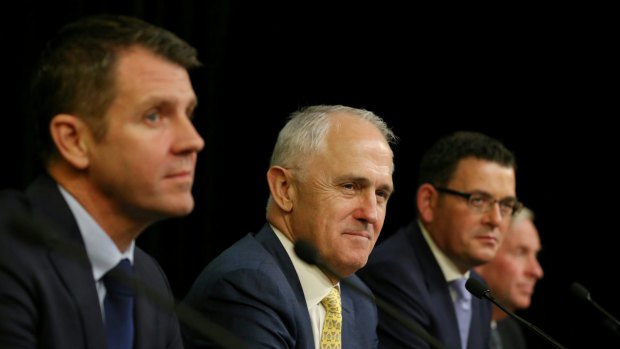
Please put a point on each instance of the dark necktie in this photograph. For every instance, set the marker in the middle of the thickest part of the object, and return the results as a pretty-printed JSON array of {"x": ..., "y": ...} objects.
[
  {"x": 118, "y": 307},
  {"x": 496, "y": 340}
]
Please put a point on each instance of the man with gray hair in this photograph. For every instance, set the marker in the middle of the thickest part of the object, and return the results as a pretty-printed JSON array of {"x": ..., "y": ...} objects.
[
  {"x": 512, "y": 275},
  {"x": 330, "y": 179}
]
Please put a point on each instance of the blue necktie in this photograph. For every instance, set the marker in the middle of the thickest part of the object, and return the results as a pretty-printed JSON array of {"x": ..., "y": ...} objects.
[
  {"x": 118, "y": 307},
  {"x": 462, "y": 306}
]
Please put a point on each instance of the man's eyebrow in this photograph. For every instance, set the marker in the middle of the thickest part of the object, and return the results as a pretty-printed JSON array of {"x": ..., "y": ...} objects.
[{"x": 487, "y": 194}]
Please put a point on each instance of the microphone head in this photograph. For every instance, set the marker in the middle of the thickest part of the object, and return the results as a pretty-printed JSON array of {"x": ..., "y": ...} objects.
[
  {"x": 306, "y": 252},
  {"x": 580, "y": 292},
  {"x": 476, "y": 287}
]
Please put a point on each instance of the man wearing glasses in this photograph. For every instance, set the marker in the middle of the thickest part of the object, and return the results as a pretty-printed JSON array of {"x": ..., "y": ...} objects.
[{"x": 465, "y": 202}]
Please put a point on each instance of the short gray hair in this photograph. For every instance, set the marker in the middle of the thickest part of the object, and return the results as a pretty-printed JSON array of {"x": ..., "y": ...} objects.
[
  {"x": 304, "y": 133},
  {"x": 523, "y": 214}
]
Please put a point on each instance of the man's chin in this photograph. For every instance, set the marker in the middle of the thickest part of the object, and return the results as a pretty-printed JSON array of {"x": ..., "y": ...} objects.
[
  {"x": 179, "y": 208},
  {"x": 353, "y": 265},
  {"x": 485, "y": 255}
]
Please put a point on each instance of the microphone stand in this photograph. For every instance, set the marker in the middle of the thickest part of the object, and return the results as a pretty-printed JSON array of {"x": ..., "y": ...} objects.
[
  {"x": 308, "y": 254},
  {"x": 477, "y": 289},
  {"x": 582, "y": 293}
]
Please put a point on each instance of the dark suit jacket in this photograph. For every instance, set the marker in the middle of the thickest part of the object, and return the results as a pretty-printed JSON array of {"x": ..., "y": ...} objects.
[
  {"x": 511, "y": 334},
  {"x": 252, "y": 289},
  {"x": 48, "y": 297},
  {"x": 402, "y": 270}
]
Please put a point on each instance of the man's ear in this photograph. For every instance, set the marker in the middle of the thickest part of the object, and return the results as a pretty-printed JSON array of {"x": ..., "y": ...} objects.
[
  {"x": 281, "y": 187},
  {"x": 426, "y": 200},
  {"x": 70, "y": 135}
]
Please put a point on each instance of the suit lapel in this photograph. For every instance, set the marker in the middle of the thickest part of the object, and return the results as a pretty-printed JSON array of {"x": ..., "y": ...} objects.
[
  {"x": 271, "y": 243},
  {"x": 144, "y": 312},
  {"x": 267, "y": 237},
  {"x": 79, "y": 282},
  {"x": 68, "y": 256},
  {"x": 481, "y": 312},
  {"x": 349, "y": 317},
  {"x": 439, "y": 295}
]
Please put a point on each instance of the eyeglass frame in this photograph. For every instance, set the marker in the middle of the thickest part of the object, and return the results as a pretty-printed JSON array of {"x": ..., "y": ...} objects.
[{"x": 517, "y": 205}]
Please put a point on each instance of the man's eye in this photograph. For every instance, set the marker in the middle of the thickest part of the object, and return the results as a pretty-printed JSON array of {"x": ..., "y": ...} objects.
[
  {"x": 477, "y": 200},
  {"x": 153, "y": 117},
  {"x": 349, "y": 186},
  {"x": 383, "y": 193},
  {"x": 508, "y": 205}
]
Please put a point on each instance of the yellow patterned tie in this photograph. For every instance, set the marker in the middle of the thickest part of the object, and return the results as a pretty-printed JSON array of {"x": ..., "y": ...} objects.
[{"x": 332, "y": 327}]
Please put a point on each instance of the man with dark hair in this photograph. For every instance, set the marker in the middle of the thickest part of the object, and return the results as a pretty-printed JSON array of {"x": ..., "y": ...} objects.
[
  {"x": 114, "y": 102},
  {"x": 465, "y": 200}
]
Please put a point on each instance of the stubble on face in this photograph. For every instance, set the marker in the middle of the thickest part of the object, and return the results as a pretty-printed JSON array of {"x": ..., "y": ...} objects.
[
  {"x": 343, "y": 214},
  {"x": 143, "y": 167},
  {"x": 472, "y": 238}
]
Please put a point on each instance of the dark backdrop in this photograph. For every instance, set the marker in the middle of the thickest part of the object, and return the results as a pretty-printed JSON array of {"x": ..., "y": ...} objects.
[{"x": 539, "y": 79}]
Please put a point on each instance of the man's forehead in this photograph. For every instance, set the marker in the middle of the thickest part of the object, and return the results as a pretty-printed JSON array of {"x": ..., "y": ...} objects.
[{"x": 479, "y": 170}]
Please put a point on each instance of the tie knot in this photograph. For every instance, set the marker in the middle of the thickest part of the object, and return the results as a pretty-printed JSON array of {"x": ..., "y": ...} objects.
[
  {"x": 331, "y": 302},
  {"x": 118, "y": 280},
  {"x": 461, "y": 291}
]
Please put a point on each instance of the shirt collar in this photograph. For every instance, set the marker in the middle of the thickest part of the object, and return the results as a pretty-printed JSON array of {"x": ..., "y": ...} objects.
[
  {"x": 314, "y": 282},
  {"x": 101, "y": 250},
  {"x": 448, "y": 268}
]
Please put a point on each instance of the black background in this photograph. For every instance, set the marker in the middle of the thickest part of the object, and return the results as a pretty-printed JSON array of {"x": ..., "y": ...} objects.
[{"x": 540, "y": 79}]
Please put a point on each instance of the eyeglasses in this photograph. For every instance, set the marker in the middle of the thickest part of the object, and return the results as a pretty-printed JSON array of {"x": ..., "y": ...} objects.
[{"x": 481, "y": 202}]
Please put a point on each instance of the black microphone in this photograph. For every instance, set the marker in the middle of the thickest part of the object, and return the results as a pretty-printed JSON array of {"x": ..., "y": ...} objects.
[
  {"x": 307, "y": 253},
  {"x": 36, "y": 231},
  {"x": 480, "y": 290},
  {"x": 583, "y": 294}
]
